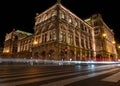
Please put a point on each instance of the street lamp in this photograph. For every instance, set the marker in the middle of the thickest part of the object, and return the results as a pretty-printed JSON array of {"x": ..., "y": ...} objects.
[
  {"x": 119, "y": 46},
  {"x": 35, "y": 42},
  {"x": 7, "y": 51},
  {"x": 104, "y": 34},
  {"x": 113, "y": 42},
  {"x": 118, "y": 51},
  {"x": 104, "y": 45}
]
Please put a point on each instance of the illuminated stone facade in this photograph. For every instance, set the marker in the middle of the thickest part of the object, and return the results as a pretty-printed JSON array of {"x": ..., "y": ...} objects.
[
  {"x": 104, "y": 38},
  {"x": 11, "y": 43},
  {"x": 59, "y": 34}
]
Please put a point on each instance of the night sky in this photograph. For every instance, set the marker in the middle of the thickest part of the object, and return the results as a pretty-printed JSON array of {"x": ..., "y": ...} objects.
[{"x": 20, "y": 14}]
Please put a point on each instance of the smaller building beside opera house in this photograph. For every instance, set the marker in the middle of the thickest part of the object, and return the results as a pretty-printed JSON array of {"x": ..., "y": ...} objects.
[{"x": 60, "y": 34}]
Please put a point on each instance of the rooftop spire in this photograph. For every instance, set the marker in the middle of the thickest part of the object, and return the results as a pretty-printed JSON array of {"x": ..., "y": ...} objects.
[{"x": 58, "y": 1}]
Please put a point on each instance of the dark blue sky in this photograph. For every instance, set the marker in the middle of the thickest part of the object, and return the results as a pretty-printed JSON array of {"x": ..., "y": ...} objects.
[{"x": 20, "y": 14}]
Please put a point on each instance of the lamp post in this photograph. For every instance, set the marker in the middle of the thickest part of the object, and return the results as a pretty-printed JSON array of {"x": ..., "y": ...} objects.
[
  {"x": 104, "y": 35},
  {"x": 119, "y": 47},
  {"x": 35, "y": 49},
  {"x": 35, "y": 42},
  {"x": 104, "y": 45},
  {"x": 112, "y": 56},
  {"x": 113, "y": 42},
  {"x": 7, "y": 51},
  {"x": 118, "y": 52}
]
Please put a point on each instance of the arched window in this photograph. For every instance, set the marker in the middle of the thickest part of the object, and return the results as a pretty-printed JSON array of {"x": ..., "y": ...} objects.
[
  {"x": 82, "y": 27},
  {"x": 62, "y": 36},
  {"x": 75, "y": 23},
  {"x": 39, "y": 19},
  {"x": 70, "y": 38},
  {"x": 62, "y": 16},
  {"x": 69, "y": 20},
  {"x": 52, "y": 36},
  {"x": 77, "y": 41},
  {"x": 46, "y": 17},
  {"x": 54, "y": 13}
]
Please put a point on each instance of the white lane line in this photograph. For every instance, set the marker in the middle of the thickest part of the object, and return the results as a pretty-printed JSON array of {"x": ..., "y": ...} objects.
[
  {"x": 17, "y": 74},
  {"x": 36, "y": 75},
  {"x": 26, "y": 74},
  {"x": 39, "y": 74},
  {"x": 71, "y": 80},
  {"x": 45, "y": 78},
  {"x": 112, "y": 78},
  {"x": 36, "y": 79}
]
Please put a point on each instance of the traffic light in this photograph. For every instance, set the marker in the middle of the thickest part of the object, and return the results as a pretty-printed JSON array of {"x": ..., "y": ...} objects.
[{"x": 65, "y": 50}]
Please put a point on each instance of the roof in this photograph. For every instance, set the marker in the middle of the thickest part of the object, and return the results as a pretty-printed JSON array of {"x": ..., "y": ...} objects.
[{"x": 23, "y": 32}]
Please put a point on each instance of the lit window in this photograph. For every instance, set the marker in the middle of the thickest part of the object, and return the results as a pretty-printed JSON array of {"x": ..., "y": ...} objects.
[
  {"x": 77, "y": 41},
  {"x": 46, "y": 17},
  {"x": 62, "y": 36},
  {"x": 62, "y": 16},
  {"x": 52, "y": 36},
  {"x": 54, "y": 13},
  {"x": 75, "y": 24},
  {"x": 70, "y": 38},
  {"x": 69, "y": 20},
  {"x": 82, "y": 43}
]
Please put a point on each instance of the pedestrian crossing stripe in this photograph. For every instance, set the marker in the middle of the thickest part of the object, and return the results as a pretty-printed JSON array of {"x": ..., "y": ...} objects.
[
  {"x": 71, "y": 80},
  {"x": 49, "y": 75},
  {"x": 113, "y": 78}
]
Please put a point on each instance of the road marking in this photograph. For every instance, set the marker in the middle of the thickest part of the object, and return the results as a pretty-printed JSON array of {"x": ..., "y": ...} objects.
[
  {"x": 75, "y": 79},
  {"x": 32, "y": 80},
  {"x": 113, "y": 78},
  {"x": 38, "y": 79},
  {"x": 35, "y": 75}
]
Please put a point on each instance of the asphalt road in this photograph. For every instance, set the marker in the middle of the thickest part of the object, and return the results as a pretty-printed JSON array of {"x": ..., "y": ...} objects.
[{"x": 59, "y": 75}]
